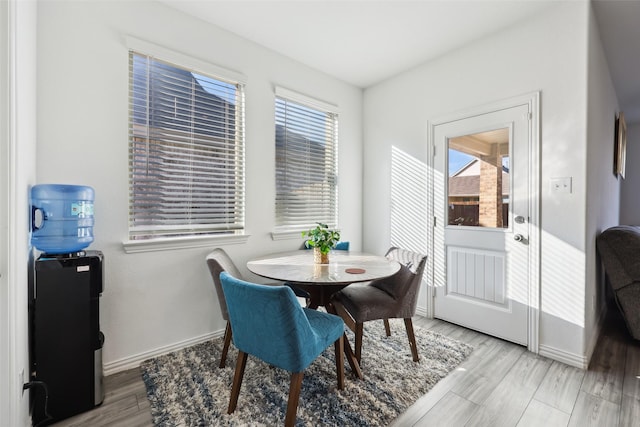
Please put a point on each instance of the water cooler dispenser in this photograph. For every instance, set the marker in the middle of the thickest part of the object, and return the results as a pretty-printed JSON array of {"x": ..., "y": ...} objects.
[{"x": 66, "y": 341}]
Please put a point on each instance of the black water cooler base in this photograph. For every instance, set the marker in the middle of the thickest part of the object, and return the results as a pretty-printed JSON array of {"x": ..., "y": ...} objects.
[{"x": 66, "y": 341}]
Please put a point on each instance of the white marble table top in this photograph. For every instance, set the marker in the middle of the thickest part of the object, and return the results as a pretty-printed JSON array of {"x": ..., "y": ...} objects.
[{"x": 298, "y": 266}]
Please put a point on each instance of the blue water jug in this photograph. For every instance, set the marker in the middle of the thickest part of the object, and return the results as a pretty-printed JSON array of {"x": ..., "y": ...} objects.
[{"x": 61, "y": 217}]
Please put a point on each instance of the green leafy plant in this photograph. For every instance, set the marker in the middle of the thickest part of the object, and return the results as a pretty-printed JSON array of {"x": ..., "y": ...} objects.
[{"x": 322, "y": 237}]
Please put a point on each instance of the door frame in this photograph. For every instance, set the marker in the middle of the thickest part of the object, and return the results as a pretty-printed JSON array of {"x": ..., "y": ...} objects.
[
  {"x": 532, "y": 101},
  {"x": 8, "y": 364},
  {"x": 8, "y": 399}
]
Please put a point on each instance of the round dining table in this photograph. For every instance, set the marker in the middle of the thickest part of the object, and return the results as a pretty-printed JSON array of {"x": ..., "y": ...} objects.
[{"x": 323, "y": 280}]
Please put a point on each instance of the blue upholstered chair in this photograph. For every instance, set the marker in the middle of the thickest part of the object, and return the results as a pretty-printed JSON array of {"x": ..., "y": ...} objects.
[
  {"x": 269, "y": 323},
  {"x": 340, "y": 246}
]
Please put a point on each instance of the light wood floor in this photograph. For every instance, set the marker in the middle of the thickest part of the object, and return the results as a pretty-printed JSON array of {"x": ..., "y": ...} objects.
[{"x": 500, "y": 384}]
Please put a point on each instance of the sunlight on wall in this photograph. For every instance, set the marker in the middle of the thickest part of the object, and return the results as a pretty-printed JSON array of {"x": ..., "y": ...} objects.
[
  {"x": 563, "y": 279},
  {"x": 408, "y": 202}
]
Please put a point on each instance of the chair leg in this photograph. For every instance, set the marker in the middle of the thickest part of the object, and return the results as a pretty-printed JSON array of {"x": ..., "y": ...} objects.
[
  {"x": 408, "y": 324},
  {"x": 358, "y": 331},
  {"x": 237, "y": 381},
  {"x": 294, "y": 396},
  {"x": 339, "y": 347},
  {"x": 225, "y": 347},
  {"x": 335, "y": 307},
  {"x": 351, "y": 357},
  {"x": 387, "y": 328}
]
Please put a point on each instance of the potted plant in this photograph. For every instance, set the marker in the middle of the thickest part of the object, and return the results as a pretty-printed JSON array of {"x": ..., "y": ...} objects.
[{"x": 322, "y": 240}]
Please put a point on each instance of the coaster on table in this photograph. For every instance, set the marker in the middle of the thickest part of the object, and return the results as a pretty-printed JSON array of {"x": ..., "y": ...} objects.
[{"x": 355, "y": 270}]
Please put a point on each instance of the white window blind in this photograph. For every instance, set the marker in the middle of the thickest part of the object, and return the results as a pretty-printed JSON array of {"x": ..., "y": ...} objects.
[
  {"x": 186, "y": 151},
  {"x": 306, "y": 162}
]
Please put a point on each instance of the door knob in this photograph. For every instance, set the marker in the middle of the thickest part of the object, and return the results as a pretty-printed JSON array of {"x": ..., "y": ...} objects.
[{"x": 520, "y": 238}]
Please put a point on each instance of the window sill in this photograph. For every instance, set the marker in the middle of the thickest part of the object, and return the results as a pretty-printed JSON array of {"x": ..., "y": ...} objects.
[
  {"x": 168, "y": 244},
  {"x": 286, "y": 235}
]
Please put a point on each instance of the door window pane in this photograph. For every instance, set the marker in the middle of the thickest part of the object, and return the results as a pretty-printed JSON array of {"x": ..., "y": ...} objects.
[{"x": 478, "y": 171}]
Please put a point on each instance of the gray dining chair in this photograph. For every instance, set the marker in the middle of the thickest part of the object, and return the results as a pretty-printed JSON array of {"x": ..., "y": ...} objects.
[
  {"x": 394, "y": 297},
  {"x": 218, "y": 261}
]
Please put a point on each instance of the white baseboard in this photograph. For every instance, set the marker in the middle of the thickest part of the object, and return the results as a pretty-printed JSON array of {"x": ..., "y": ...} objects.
[
  {"x": 134, "y": 361},
  {"x": 579, "y": 361},
  {"x": 593, "y": 340},
  {"x": 571, "y": 359},
  {"x": 421, "y": 311}
]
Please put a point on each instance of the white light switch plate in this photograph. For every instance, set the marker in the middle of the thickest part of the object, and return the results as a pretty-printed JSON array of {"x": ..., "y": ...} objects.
[{"x": 561, "y": 185}]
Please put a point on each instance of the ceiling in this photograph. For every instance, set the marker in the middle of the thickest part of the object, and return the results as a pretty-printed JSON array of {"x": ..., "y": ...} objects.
[{"x": 366, "y": 41}]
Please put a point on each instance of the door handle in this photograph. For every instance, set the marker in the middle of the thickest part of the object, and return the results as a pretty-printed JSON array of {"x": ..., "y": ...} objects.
[{"x": 520, "y": 238}]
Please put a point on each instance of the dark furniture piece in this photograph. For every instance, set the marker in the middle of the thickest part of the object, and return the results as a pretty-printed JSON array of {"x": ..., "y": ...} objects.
[
  {"x": 619, "y": 249},
  {"x": 66, "y": 341},
  {"x": 281, "y": 332},
  {"x": 388, "y": 298}
]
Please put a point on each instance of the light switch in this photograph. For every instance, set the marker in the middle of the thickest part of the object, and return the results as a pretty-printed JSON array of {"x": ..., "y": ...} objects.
[{"x": 561, "y": 185}]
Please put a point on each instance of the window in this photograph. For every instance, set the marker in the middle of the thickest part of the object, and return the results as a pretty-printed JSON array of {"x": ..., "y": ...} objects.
[
  {"x": 186, "y": 151},
  {"x": 306, "y": 162},
  {"x": 478, "y": 188}
]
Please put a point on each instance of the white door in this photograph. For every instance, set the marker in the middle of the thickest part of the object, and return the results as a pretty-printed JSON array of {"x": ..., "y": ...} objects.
[{"x": 482, "y": 208}]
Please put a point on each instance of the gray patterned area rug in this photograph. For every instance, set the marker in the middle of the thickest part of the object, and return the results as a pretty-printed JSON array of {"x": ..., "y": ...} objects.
[{"x": 186, "y": 388}]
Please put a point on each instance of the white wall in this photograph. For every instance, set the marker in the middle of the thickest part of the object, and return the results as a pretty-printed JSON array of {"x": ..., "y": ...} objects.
[
  {"x": 603, "y": 187},
  {"x": 630, "y": 200},
  {"x": 154, "y": 300},
  {"x": 6, "y": 389},
  {"x": 18, "y": 142},
  {"x": 547, "y": 54}
]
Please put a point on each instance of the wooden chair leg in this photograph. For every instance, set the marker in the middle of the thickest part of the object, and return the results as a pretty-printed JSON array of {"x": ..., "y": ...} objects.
[
  {"x": 358, "y": 331},
  {"x": 338, "y": 309},
  {"x": 294, "y": 396},
  {"x": 408, "y": 324},
  {"x": 351, "y": 357},
  {"x": 237, "y": 381},
  {"x": 339, "y": 347},
  {"x": 225, "y": 347},
  {"x": 387, "y": 328}
]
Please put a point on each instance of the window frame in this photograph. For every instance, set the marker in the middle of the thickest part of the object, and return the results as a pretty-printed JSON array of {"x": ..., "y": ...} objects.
[
  {"x": 291, "y": 231},
  {"x": 198, "y": 66}
]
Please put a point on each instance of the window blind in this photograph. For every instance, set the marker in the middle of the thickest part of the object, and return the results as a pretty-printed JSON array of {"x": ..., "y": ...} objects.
[
  {"x": 186, "y": 151},
  {"x": 306, "y": 164}
]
